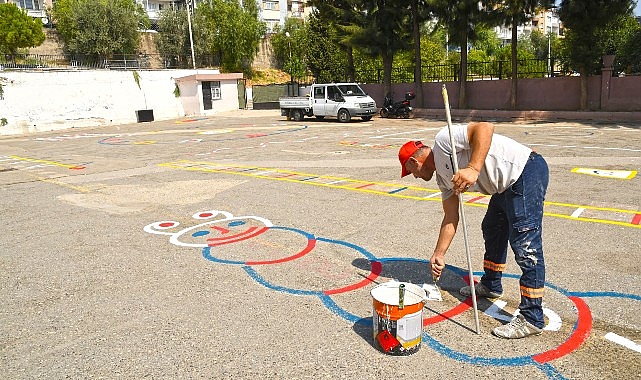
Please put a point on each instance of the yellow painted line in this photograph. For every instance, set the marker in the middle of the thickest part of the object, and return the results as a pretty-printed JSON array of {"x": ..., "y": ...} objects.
[
  {"x": 349, "y": 184},
  {"x": 43, "y": 162},
  {"x": 571, "y": 205},
  {"x": 65, "y": 185}
]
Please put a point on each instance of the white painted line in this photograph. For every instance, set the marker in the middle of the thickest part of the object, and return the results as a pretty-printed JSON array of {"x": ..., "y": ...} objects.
[
  {"x": 554, "y": 320},
  {"x": 263, "y": 173},
  {"x": 433, "y": 195},
  {"x": 625, "y": 342},
  {"x": 494, "y": 311},
  {"x": 578, "y": 212},
  {"x": 335, "y": 182}
]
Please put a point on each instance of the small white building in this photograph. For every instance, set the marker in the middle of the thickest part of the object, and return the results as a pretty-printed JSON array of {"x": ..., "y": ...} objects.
[{"x": 207, "y": 93}]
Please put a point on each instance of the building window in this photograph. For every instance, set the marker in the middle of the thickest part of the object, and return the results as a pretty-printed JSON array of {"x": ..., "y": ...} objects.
[
  {"x": 270, "y": 5},
  {"x": 211, "y": 92},
  {"x": 271, "y": 25},
  {"x": 28, "y": 4},
  {"x": 215, "y": 90}
]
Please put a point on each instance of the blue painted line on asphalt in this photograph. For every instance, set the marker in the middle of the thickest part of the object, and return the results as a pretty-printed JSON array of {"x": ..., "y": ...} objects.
[
  {"x": 208, "y": 255},
  {"x": 550, "y": 371},
  {"x": 476, "y": 360},
  {"x": 308, "y": 235},
  {"x": 397, "y": 190},
  {"x": 259, "y": 279},
  {"x": 606, "y": 294},
  {"x": 332, "y": 306}
]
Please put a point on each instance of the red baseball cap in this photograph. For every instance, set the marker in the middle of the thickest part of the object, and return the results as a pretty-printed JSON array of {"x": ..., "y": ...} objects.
[{"x": 406, "y": 151}]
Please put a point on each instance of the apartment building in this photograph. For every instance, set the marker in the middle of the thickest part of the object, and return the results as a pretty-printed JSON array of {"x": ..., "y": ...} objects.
[
  {"x": 545, "y": 22},
  {"x": 275, "y": 12},
  {"x": 272, "y": 12},
  {"x": 34, "y": 8},
  {"x": 153, "y": 7}
]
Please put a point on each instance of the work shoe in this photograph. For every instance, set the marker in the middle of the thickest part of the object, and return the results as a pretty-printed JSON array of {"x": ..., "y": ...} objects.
[
  {"x": 480, "y": 290},
  {"x": 518, "y": 328}
]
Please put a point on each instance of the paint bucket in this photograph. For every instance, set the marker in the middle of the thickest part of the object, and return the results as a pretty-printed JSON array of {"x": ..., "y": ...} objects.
[{"x": 398, "y": 317}]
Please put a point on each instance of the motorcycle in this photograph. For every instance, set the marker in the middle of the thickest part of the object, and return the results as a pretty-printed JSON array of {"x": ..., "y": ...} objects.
[{"x": 397, "y": 109}]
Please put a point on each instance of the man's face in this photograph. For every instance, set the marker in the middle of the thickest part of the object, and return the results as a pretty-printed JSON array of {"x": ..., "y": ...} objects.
[{"x": 419, "y": 165}]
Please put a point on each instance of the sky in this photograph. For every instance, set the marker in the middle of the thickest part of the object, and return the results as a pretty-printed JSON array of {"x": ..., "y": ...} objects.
[{"x": 637, "y": 10}]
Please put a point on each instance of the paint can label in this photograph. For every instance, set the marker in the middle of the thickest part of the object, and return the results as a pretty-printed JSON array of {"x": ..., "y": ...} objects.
[{"x": 398, "y": 337}]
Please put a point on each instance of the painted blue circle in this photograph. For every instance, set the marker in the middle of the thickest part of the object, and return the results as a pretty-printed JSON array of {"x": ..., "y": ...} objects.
[{"x": 200, "y": 233}]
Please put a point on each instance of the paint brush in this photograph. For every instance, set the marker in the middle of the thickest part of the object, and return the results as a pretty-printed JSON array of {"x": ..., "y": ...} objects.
[{"x": 436, "y": 278}]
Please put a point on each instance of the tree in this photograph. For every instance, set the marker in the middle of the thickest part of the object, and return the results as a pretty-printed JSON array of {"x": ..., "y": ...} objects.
[
  {"x": 582, "y": 19},
  {"x": 225, "y": 34},
  {"x": 341, "y": 16},
  {"x": 515, "y": 13},
  {"x": 172, "y": 40},
  {"x": 290, "y": 48},
  {"x": 617, "y": 37},
  {"x": 382, "y": 32},
  {"x": 325, "y": 57},
  {"x": 100, "y": 28},
  {"x": 419, "y": 13},
  {"x": 229, "y": 32},
  {"x": 18, "y": 30},
  {"x": 487, "y": 40},
  {"x": 461, "y": 19},
  {"x": 630, "y": 56},
  {"x": 544, "y": 43}
]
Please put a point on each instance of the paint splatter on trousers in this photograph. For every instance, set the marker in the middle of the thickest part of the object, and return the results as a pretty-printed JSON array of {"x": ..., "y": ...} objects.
[{"x": 515, "y": 217}]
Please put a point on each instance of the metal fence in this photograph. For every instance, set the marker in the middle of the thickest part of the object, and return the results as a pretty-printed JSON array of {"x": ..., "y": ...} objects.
[
  {"x": 114, "y": 62},
  {"x": 529, "y": 68}
]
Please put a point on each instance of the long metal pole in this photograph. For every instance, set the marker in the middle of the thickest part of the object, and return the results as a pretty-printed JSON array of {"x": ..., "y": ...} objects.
[
  {"x": 191, "y": 37},
  {"x": 461, "y": 211}
]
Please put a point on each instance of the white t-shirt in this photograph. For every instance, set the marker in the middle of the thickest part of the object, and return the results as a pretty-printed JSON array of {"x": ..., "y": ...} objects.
[{"x": 503, "y": 165}]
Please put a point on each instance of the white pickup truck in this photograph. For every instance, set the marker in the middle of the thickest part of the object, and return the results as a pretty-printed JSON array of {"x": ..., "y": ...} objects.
[{"x": 340, "y": 100}]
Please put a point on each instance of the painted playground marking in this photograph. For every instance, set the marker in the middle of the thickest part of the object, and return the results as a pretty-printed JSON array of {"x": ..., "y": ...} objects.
[
  {"x": 215, "y": 229},
  {"x": 625, "y": 342},
  {"x": 13, "y": 160},
  {"x": 129, "y": 138},
  {"x": 618, "y": 174},
  {"x": 585, "y": 147},
  {"x": 593, "y": 214}
]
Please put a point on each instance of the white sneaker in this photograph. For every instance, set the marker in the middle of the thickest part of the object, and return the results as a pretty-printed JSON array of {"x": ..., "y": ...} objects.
[{"x": 516, "y": 329}]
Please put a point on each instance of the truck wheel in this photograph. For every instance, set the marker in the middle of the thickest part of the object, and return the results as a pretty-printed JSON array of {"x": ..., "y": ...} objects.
[
  {"x": 384, "y": 112},
  {"x": 297, "y": 115},
  {"x": 366, "y": 118},
  {"x": 344, "y": 116}
]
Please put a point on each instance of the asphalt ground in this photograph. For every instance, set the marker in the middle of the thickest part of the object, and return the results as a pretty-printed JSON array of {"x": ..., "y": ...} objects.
[{"x": 243, "y": 246}]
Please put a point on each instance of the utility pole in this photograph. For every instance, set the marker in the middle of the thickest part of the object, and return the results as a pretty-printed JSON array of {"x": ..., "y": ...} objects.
[
  {"x": 291, "y": 66},
  {"x": 191, "y": 37}
]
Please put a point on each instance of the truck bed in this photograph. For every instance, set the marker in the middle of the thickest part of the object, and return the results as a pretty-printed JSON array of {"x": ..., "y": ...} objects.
[{"x": 293, "y": 101}]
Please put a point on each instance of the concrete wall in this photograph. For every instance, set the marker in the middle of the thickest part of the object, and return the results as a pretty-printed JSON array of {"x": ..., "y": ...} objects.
[
  {"x": 45, "y": 101},
  {"x": 614, "y": 94}
]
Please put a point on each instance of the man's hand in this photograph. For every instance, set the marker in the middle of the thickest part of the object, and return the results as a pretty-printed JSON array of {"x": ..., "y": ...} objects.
[
  {"x": 437, "y": 264},
  {"x": 463, "y": 179}
]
